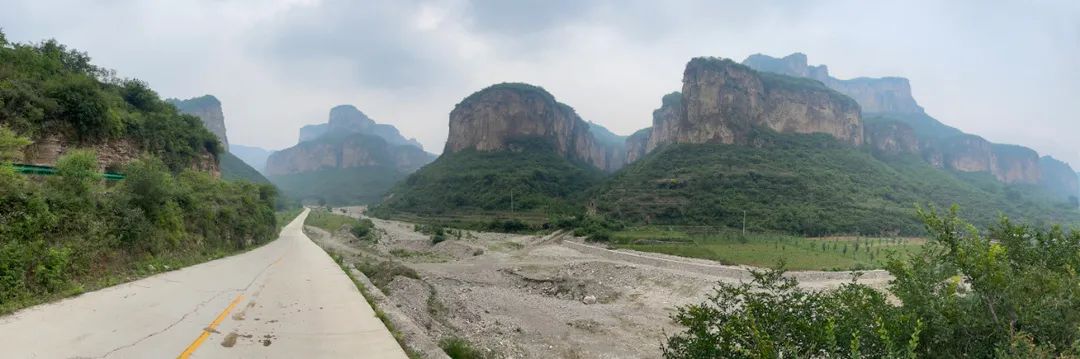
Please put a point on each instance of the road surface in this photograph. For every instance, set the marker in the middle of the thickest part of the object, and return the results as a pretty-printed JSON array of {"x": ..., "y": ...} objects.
[{"x": 286, "y": 299}]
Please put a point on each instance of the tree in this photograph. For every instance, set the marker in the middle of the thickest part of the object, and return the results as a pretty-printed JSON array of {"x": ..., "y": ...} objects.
[
  {"x": 11, "y": 145},
  {"x": 1009, "y": 292}
]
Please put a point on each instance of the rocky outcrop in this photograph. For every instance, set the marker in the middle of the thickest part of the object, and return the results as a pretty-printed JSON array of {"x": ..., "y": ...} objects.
[
  {"x": 891, "y": 137},
  {"x": 348, "y": 119},
  {"x": 493, "y": 118},
  {"x": 208, "y": 109},
  {"x": 1015, "y": 164},
  {"x": 113, "y": 155},
  {"x": 636, "y": 145},
  {"x": 968, "y": 153},
  {"x": 1058, "y": 177},
  {"x": 723, "y": 101},
  {"x": 886, "y": 94},
  {"x": 346, "y": 151},
  {"x": 349, "y": 139}
]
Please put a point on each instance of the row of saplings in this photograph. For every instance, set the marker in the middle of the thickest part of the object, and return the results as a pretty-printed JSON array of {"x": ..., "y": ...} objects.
[{"x": 1012, "y": 291}]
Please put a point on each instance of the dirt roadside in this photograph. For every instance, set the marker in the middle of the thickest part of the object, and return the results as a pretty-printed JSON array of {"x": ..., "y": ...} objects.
[{"x": 524, "y": 296}]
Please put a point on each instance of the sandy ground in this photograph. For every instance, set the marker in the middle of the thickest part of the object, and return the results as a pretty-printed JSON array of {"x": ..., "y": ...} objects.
[{"x": 524, "y": 296}]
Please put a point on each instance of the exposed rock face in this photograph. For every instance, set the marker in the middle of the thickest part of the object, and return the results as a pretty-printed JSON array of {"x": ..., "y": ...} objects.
[
  {"x": 208, "y": 109},
  {"x": 636, "y": 145},
  {"x": 490, "y": 119},
  {"x": 723, "y": 101},
  {"x": 892, "y": 137},
  {"x": 349, "y": 151},
  {"x": 348, "y": 119},
  {"x": 968, "y": 153},
  {"x": 112, "y": 155},
  {"x": 887, "y": 94},
  {"x": 1015, "y": 164},
  {"x": 1058, "y": 177}
]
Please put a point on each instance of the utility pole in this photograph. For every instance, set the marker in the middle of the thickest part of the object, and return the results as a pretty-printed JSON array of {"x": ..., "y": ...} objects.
[{"x": 744, "y": 223}]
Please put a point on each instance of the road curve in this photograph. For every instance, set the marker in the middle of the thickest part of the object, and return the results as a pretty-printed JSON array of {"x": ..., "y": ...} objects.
[{"x": 286, "y": 299}]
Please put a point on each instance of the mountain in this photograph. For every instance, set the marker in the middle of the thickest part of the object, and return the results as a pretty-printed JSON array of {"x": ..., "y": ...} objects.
[
  {"x": 722, "y": 102},
  {"x": 351, "y": 159},
  {"x": 899, "y": 124},
  {"x": 791, "y": 155},
  {"x": 208, "y": 109},
  {"x": 511, "y": 146},
  {"x": 253, "y": 156},
  {"x": 348, "y": 119}
]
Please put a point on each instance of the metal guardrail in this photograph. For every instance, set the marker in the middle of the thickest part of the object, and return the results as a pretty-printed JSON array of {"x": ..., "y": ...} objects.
[{"x": 51, "y": 171}]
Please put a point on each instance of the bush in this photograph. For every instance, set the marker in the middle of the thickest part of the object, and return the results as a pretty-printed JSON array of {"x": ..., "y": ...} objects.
[
  {"x": 458, "y": 348},
  {"x": 364, "y": 229},
  {"x": 1008, "y": 294},
  {"x": 381, "y": 273}
]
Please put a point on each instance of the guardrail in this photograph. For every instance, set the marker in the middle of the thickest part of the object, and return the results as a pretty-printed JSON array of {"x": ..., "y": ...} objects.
[{"x": 51, "y": 171}]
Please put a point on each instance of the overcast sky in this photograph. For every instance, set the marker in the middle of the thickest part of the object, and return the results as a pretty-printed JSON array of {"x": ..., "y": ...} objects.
[{"x": 1009, "y": 72}]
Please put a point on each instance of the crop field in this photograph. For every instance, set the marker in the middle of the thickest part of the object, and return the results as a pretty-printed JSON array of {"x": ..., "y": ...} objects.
[{"x": 767, "y": 250}]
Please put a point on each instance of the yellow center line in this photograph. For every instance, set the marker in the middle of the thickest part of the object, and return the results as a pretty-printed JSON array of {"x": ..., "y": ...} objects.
[{"x": 206, "y": 331}]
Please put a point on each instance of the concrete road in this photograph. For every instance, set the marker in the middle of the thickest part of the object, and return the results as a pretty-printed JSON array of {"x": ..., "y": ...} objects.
[{"x": 286, "y": 299}]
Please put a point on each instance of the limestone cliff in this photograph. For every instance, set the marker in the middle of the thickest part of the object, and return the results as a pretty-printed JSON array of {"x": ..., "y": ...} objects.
[
  {"x": 208, "y": 109},
  {"x": 891, "y": 137},
  {"x": 350, "y": 150},
  {"x": 636, "y": 145},
  {"x": 1058, "y": 177},
  {"x": 1015, "y": 164},
  {"x": 348, "y": 119},
  {"x": 492, "y": 118},
  {"x": 886, "y": 94},
  {"x": 722, "y": 101}
]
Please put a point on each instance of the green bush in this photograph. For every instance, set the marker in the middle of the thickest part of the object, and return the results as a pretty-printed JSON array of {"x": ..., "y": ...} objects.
[
  {"x": 458, "y": 348},
  {"x": 364, "y": 229},
  {"x": 1009, "y": 293}
]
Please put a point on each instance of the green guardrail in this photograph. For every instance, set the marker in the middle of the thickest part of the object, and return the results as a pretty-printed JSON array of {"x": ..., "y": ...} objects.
[{"x": 51, "y": 171}]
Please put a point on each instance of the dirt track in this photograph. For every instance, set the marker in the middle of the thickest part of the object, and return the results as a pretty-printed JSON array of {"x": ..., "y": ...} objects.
[{"x": 520, "y": 296}]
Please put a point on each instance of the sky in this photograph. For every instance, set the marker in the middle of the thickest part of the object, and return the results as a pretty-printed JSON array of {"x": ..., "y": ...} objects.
[{"x": 1006, "y": 70}]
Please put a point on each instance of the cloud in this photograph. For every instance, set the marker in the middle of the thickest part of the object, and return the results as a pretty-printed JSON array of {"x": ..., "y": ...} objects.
[{"x": 1005, "y": 71}]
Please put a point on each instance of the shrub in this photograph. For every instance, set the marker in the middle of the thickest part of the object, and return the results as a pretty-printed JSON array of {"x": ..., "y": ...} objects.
[{"x": 458, "y": 348}]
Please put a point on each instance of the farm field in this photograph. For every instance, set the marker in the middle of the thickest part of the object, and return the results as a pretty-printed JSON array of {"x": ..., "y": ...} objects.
[{"x": 767, "y": 250}]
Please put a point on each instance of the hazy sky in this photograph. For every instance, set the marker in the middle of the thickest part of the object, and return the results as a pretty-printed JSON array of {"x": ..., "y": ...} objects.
[{"x": 1009, "y": 71}]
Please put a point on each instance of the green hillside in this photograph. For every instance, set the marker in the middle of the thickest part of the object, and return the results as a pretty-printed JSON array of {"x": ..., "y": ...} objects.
[
  {"x": 541, "y": 181},
  {"x": 357, "y": 185},
  {"x": 73, "y": 232},
  {"x": 806, "y": 184},
  {"x": 235, "y": 169}
]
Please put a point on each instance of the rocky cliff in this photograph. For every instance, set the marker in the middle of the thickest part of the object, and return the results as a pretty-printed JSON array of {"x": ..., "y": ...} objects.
[
  {"x": 636, "y": 145},
  {"x": 891, "y": 137},
  {"x": 493, "y": 118},
  {"x": 349, "y": 139},
  {"x": 1058, "y": 177},
  {"x": 722, "y": 101},
  {"x": 208, "y": 109},
  {"x": 887, "y": 94},
  {"x": 1016, "y": 164},
  {"x": 346, "y": 151},
  {"x": 348, "y": 119}
]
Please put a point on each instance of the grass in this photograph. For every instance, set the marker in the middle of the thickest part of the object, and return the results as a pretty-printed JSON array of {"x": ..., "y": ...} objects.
[
  {"x": 458, "y": 348},
  {"x": 328, "y": 221},
  {"x": 766, "y": 250}
]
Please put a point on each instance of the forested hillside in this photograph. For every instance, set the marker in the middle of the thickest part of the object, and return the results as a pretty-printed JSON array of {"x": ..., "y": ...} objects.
[{"x": 72, "y": 232}]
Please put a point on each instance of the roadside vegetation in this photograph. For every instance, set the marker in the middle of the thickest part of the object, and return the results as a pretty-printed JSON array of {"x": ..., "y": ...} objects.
[
  {"x": 766, "y": 250},
  {"x": 331, "y": 222},
  {"x": 73, "y": 232},
  {"x": 1007, "y": 292}
]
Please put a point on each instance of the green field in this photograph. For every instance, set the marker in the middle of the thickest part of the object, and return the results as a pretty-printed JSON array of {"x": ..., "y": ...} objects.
[
  {"x": 766, "y": 250},
  {"x": 328, "y": 221}
]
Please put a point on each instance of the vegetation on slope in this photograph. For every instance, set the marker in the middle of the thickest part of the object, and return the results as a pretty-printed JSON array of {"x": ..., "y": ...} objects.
[
  {"x": 538, "y": 178},
  {"x": 357, "y": 185},
  {"x": 1011, "y": 293},
  {"x": 235, "y": 169},
  {"x": 73, "y": 232},
  {"x": 47, "y": 88},
  {"x": 804, "y": 184}
]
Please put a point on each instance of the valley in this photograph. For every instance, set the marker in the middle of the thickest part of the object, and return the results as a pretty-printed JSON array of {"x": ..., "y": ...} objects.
[{"x": 531, "y": 295}]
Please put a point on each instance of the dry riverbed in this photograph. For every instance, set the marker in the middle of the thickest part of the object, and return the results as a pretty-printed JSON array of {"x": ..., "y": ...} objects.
[{"x": 525, "y": 296}]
